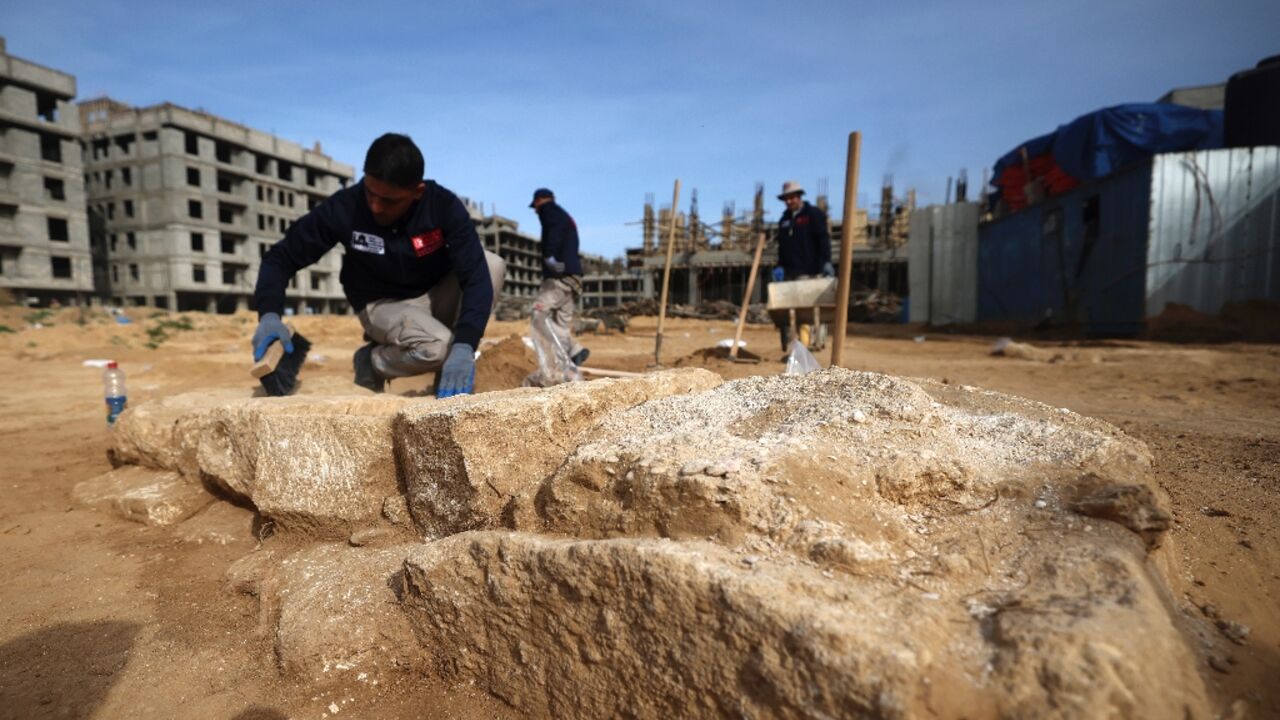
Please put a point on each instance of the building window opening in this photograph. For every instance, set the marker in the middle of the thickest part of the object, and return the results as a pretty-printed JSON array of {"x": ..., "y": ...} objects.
[
  {"x": 124, "y": 142},
  {"x": 128, "y": 208},
  {"x": 61, "y": 266},
  {"x": 133, "y": 271},
  {"x": 47, "y": 107},
  {"x": 55, "y": 189},
  {"x": 131, "y": 239},
  {"x": 51, "y": 148},
  {"x": 193, "y": 177},
  {"x": 284, "y": 171},
  {"x": 126, "y": 176},
  {"x": 58, "y": 230},
  {"x": 192, "y": 143},
  {"x": 222, "y": 151},
  {"x": 195, "y": 209},
  {"x": 197, "y": 242},
  {"x": 197, "y": 273}
]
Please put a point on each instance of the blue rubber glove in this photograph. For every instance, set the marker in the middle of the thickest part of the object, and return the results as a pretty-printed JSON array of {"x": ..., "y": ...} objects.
[
  {"x": 827, "y": 270},
  {"x": 554, "y": 265},
  {"x": 458, "y": 375},
  {"x": 270, "y": 329},
  {"x": 778, "y": 275}
]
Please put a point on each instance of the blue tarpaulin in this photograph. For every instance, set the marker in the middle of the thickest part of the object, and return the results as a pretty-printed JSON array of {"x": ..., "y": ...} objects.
[{"x": 1099, "y": 143}]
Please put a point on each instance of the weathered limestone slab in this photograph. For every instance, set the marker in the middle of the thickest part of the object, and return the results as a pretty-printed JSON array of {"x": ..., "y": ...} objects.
[
  {"x": 315, "y": 464},
  {"x": 160, "y": 433},
  {"x": 318, "y": 464},
  {"x": 151, "y": 497},
  {"x": 655, "y": 629},
  {"x": 465, "y": 459},
  {"x": 335, "y": 615},
  {"x": 221, "y": 523}
]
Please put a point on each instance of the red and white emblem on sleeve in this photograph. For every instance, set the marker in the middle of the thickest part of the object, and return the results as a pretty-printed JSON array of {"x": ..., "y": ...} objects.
[{"x": 428, "y": 242}]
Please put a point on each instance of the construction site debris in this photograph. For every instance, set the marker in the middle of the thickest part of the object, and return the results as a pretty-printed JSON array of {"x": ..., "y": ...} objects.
[
  {"x": 710, "y": 310},
  {"x": 874, "y": 306}
]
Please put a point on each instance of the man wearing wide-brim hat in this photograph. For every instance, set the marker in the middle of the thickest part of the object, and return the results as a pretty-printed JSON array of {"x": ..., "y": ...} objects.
[{"x": 804, "y": 244}]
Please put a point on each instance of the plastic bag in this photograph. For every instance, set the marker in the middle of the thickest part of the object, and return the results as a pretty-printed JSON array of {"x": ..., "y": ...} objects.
[
  {"x": 800, "y": 361},
  {"x": 554, "y": 365}
]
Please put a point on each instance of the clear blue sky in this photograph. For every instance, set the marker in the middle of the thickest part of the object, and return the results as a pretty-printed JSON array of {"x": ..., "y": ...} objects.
[{"x": 604, "y": 102}]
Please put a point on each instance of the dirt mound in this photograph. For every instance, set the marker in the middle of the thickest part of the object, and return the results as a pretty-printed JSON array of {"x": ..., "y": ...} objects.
[
  {"x": 1250, "y": 321},
  {"x": 713, "y": 357},
  {"x": 504, "y": 365}
]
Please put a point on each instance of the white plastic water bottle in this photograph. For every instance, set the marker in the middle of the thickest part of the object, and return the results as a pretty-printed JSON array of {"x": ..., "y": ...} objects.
[{"x": 113, "y": 383}]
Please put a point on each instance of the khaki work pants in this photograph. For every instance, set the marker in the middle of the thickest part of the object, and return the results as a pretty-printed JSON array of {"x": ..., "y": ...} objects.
[
  {"x": 558, "y": 300},
  {"x": 413, "y": 336}
]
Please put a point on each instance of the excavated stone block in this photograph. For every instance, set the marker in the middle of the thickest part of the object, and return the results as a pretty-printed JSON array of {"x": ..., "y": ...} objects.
[
  {"x": 335, "y": 615},
  {"x": 222, "y": 523},
  {"x": 466, "y": 459},
  {"x": 151, "y": 497},
  {"x": 161, "y": 433},
  {"x": 315, "y": 464},
  {"x": 654, "y": 629}
]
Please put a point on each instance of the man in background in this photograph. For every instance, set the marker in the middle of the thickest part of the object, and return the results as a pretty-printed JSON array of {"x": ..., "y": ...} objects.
[
  {"x": 561, "y": 273},
  {"x": 804, "y": 246}
]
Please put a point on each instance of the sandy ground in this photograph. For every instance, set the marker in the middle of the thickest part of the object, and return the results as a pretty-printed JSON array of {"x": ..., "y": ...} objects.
[{"x": 107, "y": 618}]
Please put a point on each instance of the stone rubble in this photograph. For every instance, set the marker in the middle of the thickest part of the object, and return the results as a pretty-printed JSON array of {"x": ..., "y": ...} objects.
[{"x": 838, "y": 544}]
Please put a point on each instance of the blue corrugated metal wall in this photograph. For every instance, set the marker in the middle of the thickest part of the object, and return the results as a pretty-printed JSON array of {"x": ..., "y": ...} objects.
[{"x": 1039, "y": 262}]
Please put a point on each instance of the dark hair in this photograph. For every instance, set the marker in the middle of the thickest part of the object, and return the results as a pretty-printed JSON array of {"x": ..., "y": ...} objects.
[{"x": 394, "y": 159}]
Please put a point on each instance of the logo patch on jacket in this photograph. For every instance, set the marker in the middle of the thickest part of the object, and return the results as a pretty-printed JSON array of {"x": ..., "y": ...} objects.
[
  {"x": 802, "y": 220},
  {"x": 364, "y": 242},
  {"x": 428, "y": 242}
]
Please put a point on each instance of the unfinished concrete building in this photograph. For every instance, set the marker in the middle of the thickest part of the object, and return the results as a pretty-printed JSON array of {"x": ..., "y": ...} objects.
[
  {"x": 502, "y": 236},
  {"x": 184, "y": 204},
  {"x": 44, "y": 233}
]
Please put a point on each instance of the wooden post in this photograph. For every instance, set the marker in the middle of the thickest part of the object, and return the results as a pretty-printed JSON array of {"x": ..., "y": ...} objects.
[
  {"x": 666, "y": 276},
  {"x": 846, "y": 248},
  {"x": 746, "y": 297}
]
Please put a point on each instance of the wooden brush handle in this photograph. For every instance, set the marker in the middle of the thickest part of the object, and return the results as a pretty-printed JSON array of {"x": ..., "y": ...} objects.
[{"x": 270, "y": 359}]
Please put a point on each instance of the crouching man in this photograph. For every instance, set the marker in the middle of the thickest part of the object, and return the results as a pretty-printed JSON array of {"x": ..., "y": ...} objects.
[{"x": 414, "y": 270}]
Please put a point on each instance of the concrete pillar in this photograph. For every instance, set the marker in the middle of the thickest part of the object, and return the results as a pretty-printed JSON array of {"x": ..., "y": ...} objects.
[
  {"x": 693, "y": 286},
  {"x": 242, "y": 303},
  {"x": 210, "y": 304}
]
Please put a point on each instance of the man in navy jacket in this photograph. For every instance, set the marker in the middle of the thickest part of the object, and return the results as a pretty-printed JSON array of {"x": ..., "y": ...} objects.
[
  {"x": 804, "y": 246},
  {"x": 561, "y": 273},
  {"x": 414, "y": 270}
]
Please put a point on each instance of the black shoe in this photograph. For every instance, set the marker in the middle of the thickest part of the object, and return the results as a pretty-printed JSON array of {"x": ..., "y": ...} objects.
[
  {"x": 581, "y": 357},
  {"x": 366, "y": 376},
  {"x": 786, "y": 339}
]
